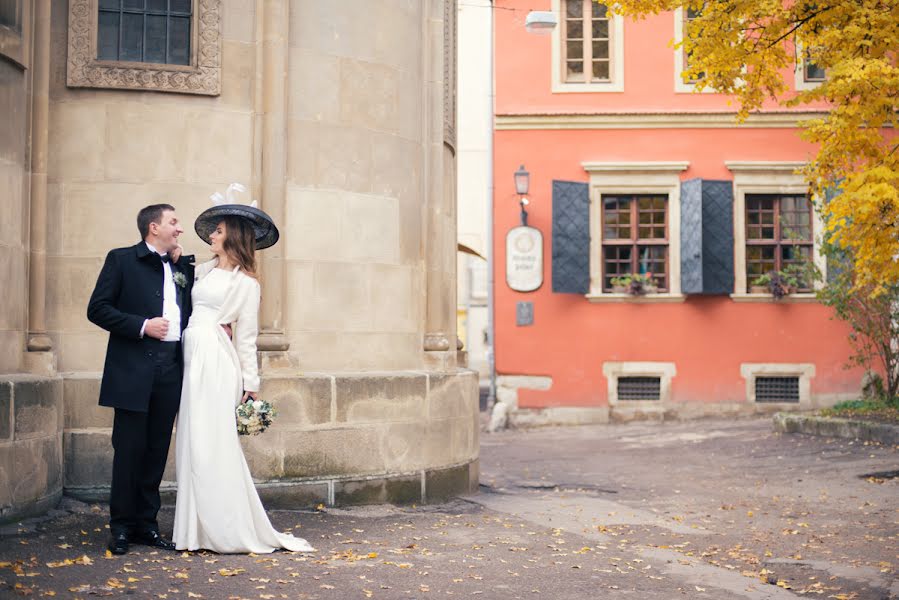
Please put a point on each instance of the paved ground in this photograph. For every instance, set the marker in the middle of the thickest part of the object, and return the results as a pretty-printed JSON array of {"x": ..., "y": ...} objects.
[{"x": 705, "y": 509}]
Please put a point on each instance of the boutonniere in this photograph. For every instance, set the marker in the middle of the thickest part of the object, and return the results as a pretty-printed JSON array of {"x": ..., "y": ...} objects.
[{"x": 180, "y": 279}]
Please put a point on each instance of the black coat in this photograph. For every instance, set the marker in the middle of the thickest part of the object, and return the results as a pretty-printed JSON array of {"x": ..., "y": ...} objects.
[{"x": 129, "y": 291}]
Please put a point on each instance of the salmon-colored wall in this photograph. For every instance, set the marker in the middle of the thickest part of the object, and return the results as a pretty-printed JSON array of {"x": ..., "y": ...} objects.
[
  {"x": 524, "y": 75},
  {"x": 706, "y": 337}
]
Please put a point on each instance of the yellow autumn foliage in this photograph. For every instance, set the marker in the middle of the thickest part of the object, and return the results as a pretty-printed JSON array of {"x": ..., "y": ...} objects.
[{"x": 748, "y": 48}]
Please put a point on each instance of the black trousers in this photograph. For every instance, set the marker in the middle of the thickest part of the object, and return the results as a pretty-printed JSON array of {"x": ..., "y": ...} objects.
[{"x": 141, "y": 444}]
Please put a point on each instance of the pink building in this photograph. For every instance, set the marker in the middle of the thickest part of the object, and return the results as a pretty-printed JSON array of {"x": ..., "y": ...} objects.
[{"x": 632, "y": 172}]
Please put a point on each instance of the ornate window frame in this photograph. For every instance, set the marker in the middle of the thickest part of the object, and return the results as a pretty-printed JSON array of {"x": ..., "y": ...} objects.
[
  {"x": 15, "y": 42},
  {"x": 768, "y": 177},
  {"x": 635, "y": 178},
  {"x": 202, "y": 76},
  {"x": 804, "y": 371},
  {"x": 665, "y": 371}
]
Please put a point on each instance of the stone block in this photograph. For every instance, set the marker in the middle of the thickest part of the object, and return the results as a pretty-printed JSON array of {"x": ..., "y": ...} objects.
[
  {"x": 292, "y": 495},
  {"x": 69, "y": 285},
  {"x": 218, "y": 143},
  {"x": 395, "y": 301},
  {"x": 371, "y": 228},
  {"x": 393, "y": 490},
  {"x": 81, "y": 394},
  {"x": 12, "y": 177},
  {"x": 438, "y": 442},
  {"x": 452, "y": 395},
  {"x": 402, "y": 446},
  {"x": 331, "y": 452},
  {"x": 315, "y": 219},
  {"x": 145, "y": 142},
  {"x": 37, "y": 408},
  {"x": 7, "y": 479},
  {"x": 314, "y": 86},
  {"x": 300, "y": 401},
  {"x": 396, "y": 166},
  {"x": 77, "y": 155},
  {"x": 5, "y": 411},
  {"x": 340, "y": 298},
  {"x": 15, "y": 284},
  {"x": 344, "y": 159},
  {"x": 369, "y": 95},
  {"x": 443, "y": 484},
  {"x": 380, "y": 398},
  {"x": 302, "y": 151},
  {"x": 264, "y": 454},
  {"x": 37, "y": 469},
  {"x": 11, "y": 362},
  {"x": 88, "y": 458},
  {"x": 238, "y": 79},
  {"x": 81, "y": 351}
]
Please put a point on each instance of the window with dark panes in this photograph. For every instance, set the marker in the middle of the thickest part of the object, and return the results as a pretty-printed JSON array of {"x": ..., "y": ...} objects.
[
  {"x": 9, "y": 14},
  {"x": 149, "y": 31},
  {"x": 778, "y": 233},
  {"x": 813, "y": 72},
  {"x": 586, "y": 42},
  {"x": 635, "y": 238}
]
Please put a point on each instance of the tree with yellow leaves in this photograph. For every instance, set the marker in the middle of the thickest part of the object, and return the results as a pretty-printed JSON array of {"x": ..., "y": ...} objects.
[{"x": 749, "y": 48}]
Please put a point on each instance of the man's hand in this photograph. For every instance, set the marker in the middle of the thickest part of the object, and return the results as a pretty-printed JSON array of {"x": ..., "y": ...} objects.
[
  {"x": 248, "y": 395},
  {"x": 176, "y": 253},
  {"x": 157, "y": 328}
]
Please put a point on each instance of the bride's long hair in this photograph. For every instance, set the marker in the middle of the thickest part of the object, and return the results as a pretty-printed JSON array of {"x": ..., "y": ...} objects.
[{"x": 239, "y": 244}]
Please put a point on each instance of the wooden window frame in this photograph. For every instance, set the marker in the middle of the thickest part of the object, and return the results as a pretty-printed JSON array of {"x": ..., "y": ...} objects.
[
  {"x": 587, "y": 59},
  {"x": 768, "y": 177},
  {"x": 778, "y": 242},
  {"x": 615, "y": 83},
  {"x": 634, "y": 241},
  {"x": 202, "y": 76},
  {"x": 635, "y": 178}
]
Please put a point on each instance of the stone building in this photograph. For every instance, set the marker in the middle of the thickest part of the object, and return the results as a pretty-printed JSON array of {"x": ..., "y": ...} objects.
[{"x": 340, "y": 118}]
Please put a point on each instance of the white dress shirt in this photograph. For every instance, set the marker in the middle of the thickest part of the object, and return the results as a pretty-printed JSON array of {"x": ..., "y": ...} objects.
[{"x": 170, "y": 309}]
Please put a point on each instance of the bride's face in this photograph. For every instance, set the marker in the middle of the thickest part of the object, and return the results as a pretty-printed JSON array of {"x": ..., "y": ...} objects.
[{"x": 217, "y": 238}]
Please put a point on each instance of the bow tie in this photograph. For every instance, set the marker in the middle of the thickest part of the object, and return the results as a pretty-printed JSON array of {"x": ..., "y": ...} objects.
[{"x": 165, "y": 258}]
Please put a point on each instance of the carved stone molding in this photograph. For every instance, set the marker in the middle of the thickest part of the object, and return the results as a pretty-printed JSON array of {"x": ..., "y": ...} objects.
[
  {"x": 202, "y": 76},
  {"x": 449, "y": 73}
]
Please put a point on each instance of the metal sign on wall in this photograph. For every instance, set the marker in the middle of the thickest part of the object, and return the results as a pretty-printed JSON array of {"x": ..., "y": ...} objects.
[{"x": 524, "y": 259}]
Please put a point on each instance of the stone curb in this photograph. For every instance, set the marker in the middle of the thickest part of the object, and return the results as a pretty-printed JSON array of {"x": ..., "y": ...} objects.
[{"x": 834, "y": 427}]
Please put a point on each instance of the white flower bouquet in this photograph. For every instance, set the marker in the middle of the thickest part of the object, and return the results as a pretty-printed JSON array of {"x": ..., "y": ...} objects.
[{"x": 254, "y": 416}]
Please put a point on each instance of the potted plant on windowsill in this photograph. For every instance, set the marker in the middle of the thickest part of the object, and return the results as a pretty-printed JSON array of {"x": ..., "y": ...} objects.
[
  {"x": 635, "y": 284},
  {"x": 784, "y": 282}
]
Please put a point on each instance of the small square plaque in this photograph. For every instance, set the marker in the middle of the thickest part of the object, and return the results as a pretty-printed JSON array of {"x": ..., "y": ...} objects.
[{"x": 524, "y": 313}]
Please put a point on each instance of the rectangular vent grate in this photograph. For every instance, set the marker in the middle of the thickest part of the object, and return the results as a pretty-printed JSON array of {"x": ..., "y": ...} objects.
[
  {"x": 639, "y": 388},
  {"x": 777, "y": 389}
]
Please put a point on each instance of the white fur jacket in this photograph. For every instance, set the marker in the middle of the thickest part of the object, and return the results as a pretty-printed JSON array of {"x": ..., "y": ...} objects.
[{"x": 240, "y": 310}]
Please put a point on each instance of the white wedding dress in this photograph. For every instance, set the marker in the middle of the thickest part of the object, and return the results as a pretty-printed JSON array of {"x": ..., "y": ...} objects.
[{"x": 217, "y": 506}]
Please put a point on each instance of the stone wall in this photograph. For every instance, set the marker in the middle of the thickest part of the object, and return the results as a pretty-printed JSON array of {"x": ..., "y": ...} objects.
[
  {"x": 13, "y": 213},
  {"x": 31, "y": 424},
  {"x": 402, "y": 436}
]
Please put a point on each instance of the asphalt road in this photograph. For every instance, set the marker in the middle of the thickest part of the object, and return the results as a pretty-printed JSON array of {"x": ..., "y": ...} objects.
[{"x": 701, "y": 509}]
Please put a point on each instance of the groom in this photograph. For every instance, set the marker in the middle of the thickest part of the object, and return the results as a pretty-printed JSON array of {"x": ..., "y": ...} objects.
[{"x": 142, "y": 298}]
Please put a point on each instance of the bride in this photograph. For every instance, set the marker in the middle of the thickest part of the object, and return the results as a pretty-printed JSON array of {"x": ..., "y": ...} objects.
[{"x": 217, "y": 506}]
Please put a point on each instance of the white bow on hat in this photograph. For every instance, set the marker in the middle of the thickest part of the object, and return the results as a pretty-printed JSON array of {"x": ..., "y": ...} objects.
[{"x": 228, "y": 198}]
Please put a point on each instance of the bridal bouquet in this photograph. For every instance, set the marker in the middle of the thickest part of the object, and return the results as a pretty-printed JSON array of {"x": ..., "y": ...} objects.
[{"x": 254, "y": 416}]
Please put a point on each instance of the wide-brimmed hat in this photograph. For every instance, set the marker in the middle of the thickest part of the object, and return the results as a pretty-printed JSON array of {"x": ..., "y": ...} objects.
[{"x": 266, "y": 232}]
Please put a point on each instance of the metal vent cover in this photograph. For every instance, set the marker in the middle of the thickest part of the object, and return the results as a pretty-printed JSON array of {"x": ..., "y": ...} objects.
[
  {"x": 639, "y": 388},
  {"x": 777, "y": 389}
]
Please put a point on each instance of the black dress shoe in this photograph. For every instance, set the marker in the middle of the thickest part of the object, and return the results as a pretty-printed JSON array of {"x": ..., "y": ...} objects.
[
  {"x": 152, "y": 538},
  {"x": 118, "y": 543}
]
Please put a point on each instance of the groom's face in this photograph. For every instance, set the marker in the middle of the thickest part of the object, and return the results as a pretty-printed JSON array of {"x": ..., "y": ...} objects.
[{"x": 167, "y": 231}]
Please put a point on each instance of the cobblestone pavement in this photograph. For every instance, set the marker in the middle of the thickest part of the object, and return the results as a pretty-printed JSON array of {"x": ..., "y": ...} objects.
[{"x": 701, "y": 509}]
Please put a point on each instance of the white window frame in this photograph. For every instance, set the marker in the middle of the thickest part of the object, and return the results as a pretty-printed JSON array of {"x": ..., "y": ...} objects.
[
  {"x": 800, "y": 82},
  {"x": 635, "y": 178},
  {"x": 804, "y": 371},
  {"x": 680, "y": 62},
  {"x": 616, "y": 62},
  {"x": 665, "y": 371},
  {"x": 769, "y": 177}
]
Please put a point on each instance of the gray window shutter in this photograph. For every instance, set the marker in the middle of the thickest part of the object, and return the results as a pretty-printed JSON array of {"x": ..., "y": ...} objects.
[
  {"x": 571, "y": 237},
  {"x": 707, "y": 237},
  {"x": 837, "y": 260}
]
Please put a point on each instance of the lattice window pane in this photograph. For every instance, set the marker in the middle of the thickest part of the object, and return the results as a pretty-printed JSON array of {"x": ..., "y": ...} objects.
[
  {"x": 639, "y": 388},
  {"x": 108, "y": 36},
  {"x": 777, "y": 389},
  {"x": 654, "y": 260},
  {"x": 149, "y": 31},
  {"x": 616, "y": 261}
]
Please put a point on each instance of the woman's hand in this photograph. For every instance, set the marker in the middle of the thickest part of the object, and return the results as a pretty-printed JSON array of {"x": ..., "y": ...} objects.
[
  {"x": 247, "y": 395},
  {"x": 176, "y": 253}
]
